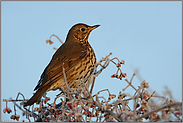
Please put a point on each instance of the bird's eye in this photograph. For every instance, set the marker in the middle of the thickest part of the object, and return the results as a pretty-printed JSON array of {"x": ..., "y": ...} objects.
[{"x": 82, "y": 29}]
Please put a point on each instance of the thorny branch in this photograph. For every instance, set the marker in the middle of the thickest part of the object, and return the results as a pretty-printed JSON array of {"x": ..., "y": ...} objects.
[{"x": 79, "y": 105}]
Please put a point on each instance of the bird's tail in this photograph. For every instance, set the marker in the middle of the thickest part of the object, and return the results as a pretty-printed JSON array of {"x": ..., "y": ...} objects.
[{"x": 35, "y": 98}]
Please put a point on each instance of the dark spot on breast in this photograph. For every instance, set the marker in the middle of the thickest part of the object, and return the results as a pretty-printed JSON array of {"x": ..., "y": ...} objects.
[
  {"x": 86, "y": 73},
  {"x": 85, "y": 67},
  {"x": 91, "y": 56},
  {"x": 88, "y": 62},
  {"x": 81, "y": 77},
  {"x": 81, "y": 71},
  {"x": 69, "y": 63},
  {"x": 90, "y": 66}
]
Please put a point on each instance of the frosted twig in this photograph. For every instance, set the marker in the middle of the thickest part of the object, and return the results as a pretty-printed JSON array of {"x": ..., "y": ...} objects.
[{"x": 163, "y": 107}]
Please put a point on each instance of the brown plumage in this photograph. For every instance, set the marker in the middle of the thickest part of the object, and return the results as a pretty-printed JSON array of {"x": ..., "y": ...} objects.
[{"x": 78, "y": 58}]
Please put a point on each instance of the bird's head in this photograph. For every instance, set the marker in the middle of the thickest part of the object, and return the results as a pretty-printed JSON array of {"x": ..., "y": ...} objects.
[{"x": 80, "y": 32}]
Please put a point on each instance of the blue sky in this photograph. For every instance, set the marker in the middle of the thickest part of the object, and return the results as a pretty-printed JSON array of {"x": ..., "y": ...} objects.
[{"x": 147, "y": 35}]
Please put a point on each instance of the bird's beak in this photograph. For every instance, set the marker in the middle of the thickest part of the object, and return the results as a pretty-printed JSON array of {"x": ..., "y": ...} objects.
[{"x": 93, "y": 27}]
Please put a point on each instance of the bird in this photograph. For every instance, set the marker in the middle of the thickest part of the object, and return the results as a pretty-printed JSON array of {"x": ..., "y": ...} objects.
[{"x": 76, "y": 56}]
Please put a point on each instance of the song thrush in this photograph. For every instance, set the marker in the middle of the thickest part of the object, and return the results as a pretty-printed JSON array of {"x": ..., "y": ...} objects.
[{"x": 78, "y": 58}]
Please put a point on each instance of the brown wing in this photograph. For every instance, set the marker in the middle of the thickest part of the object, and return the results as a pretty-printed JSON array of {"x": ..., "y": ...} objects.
[
  {"x": 54, "y": 70},
  {"x": 70, "y": 55}
]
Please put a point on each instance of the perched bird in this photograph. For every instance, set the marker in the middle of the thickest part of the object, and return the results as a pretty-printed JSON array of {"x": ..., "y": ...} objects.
[{"x": 78, "y": 58}]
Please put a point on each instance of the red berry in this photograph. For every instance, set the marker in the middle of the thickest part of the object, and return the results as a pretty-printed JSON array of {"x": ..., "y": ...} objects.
[
  {"x": 118, "y": 65},
  {"x": 51, "y": 42},
  {"x": 114, "y": 75},
  {"x": 88, "y": 114},
  {"x": 48, "y": 98},
  {"x": 59, "y": 113},
  {"x": 92, "y": 106},
  {"x": 74, "y": 105},
  {"x": 137, "y": 105},
  {"x": 5, "y": 110},
  {"x": 177, "y": 113},
  {"x": 23, "y": 114},
  {"x": 123, "y": 75},
  {"x": 144, "y": 97},
  {"x": 8, "y": 110},
  {"x": 153, "y": 114}
]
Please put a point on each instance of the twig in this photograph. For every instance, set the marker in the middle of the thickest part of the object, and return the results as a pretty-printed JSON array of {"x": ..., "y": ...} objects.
[
  {"x": 163, "y": 107},
  {"x": 56, "y": 37}
]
